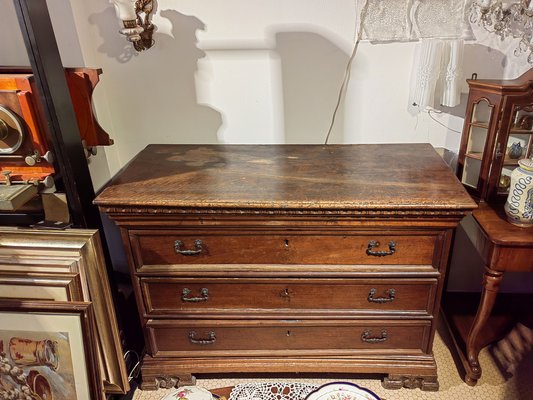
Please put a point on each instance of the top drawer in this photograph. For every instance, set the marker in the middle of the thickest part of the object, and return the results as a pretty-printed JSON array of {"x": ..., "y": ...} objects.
[{"x": 164, "y": 247}]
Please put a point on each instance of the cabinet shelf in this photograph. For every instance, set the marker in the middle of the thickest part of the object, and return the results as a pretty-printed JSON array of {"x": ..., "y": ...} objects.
[
  {"x": 521, "y": 131},
  {"x": 510, "y": 162},
  {"x": 480, "y": 124},
  {"x": 475, "y": 155}
]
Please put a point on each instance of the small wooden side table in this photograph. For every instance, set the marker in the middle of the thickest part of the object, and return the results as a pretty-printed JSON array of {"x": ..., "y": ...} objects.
[{"x": 503, "y": 247}]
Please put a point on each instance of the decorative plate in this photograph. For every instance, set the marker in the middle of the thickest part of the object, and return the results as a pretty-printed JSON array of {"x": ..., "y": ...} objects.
[
  {"x": 341, "y": 391},
  {"x": 189, "y": 393}
]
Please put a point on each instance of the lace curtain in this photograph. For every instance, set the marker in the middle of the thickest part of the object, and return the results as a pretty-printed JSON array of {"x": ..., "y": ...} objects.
[
  {"x": 404, "y": 20},
  {"x": 437, "y": 74},
  {"x": 441, "y": 27}
]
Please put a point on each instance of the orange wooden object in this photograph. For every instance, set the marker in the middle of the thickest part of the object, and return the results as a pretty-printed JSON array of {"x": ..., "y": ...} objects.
[{"x": 18, "y": 93}]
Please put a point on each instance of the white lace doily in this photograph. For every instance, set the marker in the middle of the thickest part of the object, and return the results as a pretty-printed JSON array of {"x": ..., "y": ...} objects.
[{"x": 272, "y": 391}]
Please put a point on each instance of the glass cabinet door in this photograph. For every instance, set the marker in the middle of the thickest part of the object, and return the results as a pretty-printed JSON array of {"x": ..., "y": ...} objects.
[
  {"x": 518, "y": 143},
  {"x": 476, "y": 142}
]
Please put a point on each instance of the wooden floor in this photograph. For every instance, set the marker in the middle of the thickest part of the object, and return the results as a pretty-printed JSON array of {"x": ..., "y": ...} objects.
[{"x": 495, "y": 384}]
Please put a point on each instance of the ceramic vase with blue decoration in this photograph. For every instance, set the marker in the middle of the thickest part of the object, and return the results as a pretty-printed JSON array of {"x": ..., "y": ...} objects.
[{"x": 519, "y": 204}]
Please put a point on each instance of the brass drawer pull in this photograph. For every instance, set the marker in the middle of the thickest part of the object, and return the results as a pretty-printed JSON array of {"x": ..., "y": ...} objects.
[
  {"x": 365, "y": 337},
  {"x": 391, "y": 293},
  {"x": 211, "y": 338},
  {"x": 197, "y": 245},
  {"x": 374, "y": 243},
  {"x": 204, "y": 295}
]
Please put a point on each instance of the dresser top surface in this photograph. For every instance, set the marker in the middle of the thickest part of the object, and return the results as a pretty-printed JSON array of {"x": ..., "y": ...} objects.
[{"x": 375, "y": 177}]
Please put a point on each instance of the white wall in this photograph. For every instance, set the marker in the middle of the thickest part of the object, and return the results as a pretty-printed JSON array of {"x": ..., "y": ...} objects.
[{"x": 249, "y": 71}]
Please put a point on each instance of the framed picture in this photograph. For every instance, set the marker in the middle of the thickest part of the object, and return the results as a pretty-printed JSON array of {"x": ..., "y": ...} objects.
[
  {"x": 47, "y": 350},
  {"x": 67, "y": 265}
]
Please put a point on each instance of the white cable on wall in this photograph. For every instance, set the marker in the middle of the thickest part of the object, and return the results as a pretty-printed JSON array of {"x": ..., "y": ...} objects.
[{"x": 358, "y": 32}]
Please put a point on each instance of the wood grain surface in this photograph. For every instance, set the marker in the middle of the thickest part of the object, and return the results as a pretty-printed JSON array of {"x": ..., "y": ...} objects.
[{"x": 384, "y": 176}]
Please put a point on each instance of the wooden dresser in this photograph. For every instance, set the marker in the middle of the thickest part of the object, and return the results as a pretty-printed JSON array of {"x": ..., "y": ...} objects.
[{"x": 287, "y": 258}]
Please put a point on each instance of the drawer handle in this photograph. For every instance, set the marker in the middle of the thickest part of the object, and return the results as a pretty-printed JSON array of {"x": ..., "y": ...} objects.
[
  {"x": 204, "y": 295},
  {"x": 391, "y": 293},
  {"x": 374, "y": 243},
  {"x": 211, "y": 338},
  {"x": 197, "y": 245},
  {"x": 365, "y": 337}
]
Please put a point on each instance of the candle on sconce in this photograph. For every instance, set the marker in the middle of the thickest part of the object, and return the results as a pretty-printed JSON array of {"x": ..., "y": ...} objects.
[{"x": 125, "y": 10}]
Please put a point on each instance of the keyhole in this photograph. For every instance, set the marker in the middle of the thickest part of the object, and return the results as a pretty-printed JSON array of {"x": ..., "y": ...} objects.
[
  {"x": 286, "y": 242},
  {"x": 288, "y": 333}
]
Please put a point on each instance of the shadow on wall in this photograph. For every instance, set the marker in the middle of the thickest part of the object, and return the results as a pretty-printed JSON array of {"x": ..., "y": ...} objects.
[
  {"x": 114, "y": 44},
  {"x": 312, "y": 69},
  {"x": 312, "y": 72},
  {"x": 155, "y": 94},
  {"x": 173, "y": 73}
]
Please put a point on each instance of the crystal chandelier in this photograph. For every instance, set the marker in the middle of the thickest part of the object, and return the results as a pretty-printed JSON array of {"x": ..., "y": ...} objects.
[{"x": 508, "y": 19}]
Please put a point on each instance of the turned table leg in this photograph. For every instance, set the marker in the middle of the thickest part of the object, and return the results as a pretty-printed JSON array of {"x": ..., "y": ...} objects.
[{"x": 491, "y": 286}]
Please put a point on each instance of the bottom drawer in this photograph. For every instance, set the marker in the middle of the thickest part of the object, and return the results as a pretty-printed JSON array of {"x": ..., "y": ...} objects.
[{"x": 290, "y": 337}]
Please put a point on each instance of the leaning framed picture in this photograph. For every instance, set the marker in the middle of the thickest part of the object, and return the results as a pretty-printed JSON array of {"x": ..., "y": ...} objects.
[
  {"x": 47, "y": 351},
  {"x": 66, "y": 265}
]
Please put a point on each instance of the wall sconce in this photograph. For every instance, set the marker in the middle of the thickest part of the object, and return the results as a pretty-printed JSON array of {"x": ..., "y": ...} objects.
[
  {"x": 512, "y": 19},
  {"x": 135, "y": 16}
]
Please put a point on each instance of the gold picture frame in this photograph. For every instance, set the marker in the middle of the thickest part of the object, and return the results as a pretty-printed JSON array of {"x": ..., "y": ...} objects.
[
  {"x": 66, "y": 266},
  {"x": 47, "y": 350}
]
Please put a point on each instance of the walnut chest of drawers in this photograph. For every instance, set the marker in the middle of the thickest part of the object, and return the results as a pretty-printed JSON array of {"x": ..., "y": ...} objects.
[{"x": 287, "y": 258}]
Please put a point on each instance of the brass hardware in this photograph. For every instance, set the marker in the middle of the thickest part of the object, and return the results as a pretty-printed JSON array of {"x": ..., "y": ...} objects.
[
  {"x": 204, "y": 295},
  {"x": 197, "y": 244},
  {"x": 33, "y": 159},
  {"x": 211, "y": 338},
  {"x": 286, "y": 293},
  {"x": 365, "y": 337},
  {"x": 48, "y": 157},
  {"x": 391, "y": 293},
  {"x": 374, "y": 243},
  {"x": 143, "y": 9},
  {"x": 7, "y": 176}
]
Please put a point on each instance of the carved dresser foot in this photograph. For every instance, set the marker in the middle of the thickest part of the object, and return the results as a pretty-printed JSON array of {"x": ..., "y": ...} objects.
[
  {"x": 426, "y": 383},
  {"x": 166, "y": 382}
]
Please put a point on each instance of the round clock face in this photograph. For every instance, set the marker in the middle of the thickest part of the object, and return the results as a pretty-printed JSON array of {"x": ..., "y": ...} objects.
[{"x": 11, "y": 131}]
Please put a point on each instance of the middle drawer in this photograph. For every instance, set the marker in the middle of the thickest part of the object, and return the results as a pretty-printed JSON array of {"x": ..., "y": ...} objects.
[{"x": 166, "y": 296}]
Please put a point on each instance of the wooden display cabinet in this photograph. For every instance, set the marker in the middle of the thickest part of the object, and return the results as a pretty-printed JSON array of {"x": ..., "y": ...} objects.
[{"x": 499, "y": 115}]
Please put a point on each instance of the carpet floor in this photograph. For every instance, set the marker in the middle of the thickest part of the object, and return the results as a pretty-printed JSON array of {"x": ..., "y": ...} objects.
[{"x": 515, "y": 382}]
